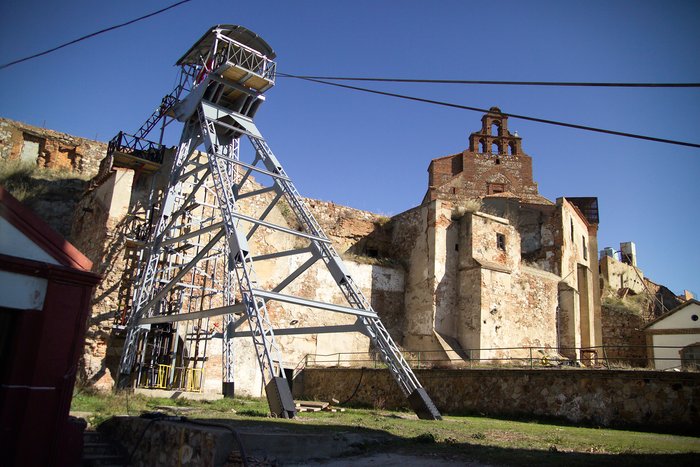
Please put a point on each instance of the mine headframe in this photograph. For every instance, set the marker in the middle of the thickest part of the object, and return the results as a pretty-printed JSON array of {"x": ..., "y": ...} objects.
[{"x": 199, "y": 260}]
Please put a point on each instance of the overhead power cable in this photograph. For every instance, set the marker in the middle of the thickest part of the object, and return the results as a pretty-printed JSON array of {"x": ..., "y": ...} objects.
[
  {"x": 111, "y": 28},
  {"x": 478, "y": 109},
  {"x": 501, "y": 83}
]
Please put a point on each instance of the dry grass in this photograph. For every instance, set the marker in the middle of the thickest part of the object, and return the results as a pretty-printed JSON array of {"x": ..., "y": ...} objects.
[
  {"x": 26, "y": 181},
  {"x": 631, "y": 304}
]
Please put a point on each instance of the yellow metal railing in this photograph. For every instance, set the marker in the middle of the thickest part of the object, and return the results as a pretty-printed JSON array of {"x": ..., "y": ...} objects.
[
  {"x": 163, "y": 376},
  {"x": 193, "y": 377}
]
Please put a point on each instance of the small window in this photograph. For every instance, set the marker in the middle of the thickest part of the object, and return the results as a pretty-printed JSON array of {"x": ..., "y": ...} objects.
[
  {"x": 585, "y": 248},
  {"x": 501, "y": 241},
  {"x": 572, "y": 228},
  {"x": 456, "y": 246}
]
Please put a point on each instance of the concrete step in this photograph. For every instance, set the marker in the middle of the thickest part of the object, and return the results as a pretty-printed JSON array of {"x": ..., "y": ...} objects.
[{"x": 98, "y": 450}]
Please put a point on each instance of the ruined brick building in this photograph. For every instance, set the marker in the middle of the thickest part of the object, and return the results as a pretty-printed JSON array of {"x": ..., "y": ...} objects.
[
  {"x": 484, "y": 268},
  {"x": 512, "y": 270}
]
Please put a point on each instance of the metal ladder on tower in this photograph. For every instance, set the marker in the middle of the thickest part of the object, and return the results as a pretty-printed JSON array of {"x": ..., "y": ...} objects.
[{"x": 235, "y": 68}]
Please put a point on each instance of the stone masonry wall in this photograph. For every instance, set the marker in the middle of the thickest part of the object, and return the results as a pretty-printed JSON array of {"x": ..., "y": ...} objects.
[
  {"x": 623, "y": 337},
  {"x": 353, "y": 231},
  {"x": 601, "y": 397}
]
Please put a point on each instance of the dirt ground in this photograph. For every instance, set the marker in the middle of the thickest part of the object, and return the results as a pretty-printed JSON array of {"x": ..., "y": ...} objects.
[{"x": 391, "y": 460}]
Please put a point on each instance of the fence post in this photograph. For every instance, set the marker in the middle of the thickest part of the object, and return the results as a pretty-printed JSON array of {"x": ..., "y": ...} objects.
[{"x": 605, "y": 356}]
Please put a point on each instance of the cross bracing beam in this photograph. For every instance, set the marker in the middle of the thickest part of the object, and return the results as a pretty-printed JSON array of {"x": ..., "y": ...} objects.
[
  {"x": 280, "y": 254},
  {"x": 263, "y": 216},
  {"x": 197, "y": 168},
  {"x": 192, "y": 315},
  {"x": 270, "y": 225},
  {"x": 253, "y": 168},
  {"x": 259, "y": 192},
  {"x": 146, "y": 307},
  {"x": 304, "y": 331},
  {"x": 291, "y": 277},
  {"x": 313, "y": 304}
]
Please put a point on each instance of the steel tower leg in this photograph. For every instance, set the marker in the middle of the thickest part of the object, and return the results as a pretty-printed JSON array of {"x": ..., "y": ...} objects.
[
  {"x": 145, "y": 296},
  {"x": 222, "y": 155},
  {"x": 380, "y": 337},
  {"x": 226, "y": 73}
]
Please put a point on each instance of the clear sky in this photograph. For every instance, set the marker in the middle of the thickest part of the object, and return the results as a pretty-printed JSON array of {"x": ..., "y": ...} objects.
[{"x": 372, "y": 152}]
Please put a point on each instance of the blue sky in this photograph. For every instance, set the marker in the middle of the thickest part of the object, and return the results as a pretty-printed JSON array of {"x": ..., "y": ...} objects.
[{"x": 372, "y": 152}]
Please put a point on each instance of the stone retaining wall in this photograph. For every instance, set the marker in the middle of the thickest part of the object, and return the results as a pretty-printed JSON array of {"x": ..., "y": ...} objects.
[
  {"x": 610, "y": 398},
  {"x": 161, "y": 442}
]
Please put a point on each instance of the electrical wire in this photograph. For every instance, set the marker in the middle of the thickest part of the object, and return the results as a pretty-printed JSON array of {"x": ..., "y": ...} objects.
[
  {"x": 506, "y": 114},
  {"x": 498, "y": 82},
  {"x": 75, "y": 41},
  {"x": 359, "y": 382}
]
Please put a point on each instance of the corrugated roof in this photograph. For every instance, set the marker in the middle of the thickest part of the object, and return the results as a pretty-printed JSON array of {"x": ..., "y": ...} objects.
[{"x": 238, "y": 33}]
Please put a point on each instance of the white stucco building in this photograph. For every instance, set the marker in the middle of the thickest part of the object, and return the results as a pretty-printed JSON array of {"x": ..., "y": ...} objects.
[{"x": 674, "y": 338}]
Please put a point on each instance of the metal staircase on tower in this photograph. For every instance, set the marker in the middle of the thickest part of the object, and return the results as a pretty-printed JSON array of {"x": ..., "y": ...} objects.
[{"x": 199, "y": 260}]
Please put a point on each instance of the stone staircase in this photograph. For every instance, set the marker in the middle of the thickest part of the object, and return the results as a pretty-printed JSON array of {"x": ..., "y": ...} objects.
[{"x": 98, "y": 450}]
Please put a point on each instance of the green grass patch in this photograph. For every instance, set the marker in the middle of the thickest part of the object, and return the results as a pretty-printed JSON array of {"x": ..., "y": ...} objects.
[{"x": 491, "y": 440}]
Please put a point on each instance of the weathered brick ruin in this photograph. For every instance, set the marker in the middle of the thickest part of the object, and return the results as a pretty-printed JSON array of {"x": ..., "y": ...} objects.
[
  {"x": 65, "y": 164},
  {"x": 482, "y": 270},
  {"x": 492, "y": 266}
]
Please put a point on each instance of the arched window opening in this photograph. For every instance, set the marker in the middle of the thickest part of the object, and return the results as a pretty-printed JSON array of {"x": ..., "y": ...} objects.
[
  {"x": 511, "y": 149},
  {"x": 495, "y": 128},
  {"x": 482, "y": 146},
  {"x": 495, "y": 149}
]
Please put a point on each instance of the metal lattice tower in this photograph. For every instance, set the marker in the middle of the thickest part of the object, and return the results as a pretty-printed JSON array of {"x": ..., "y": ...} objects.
[{"x": 197, "y": 261}]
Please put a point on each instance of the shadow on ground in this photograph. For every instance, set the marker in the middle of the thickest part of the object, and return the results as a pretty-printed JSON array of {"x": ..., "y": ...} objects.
[{"x": 303, "y": 442}]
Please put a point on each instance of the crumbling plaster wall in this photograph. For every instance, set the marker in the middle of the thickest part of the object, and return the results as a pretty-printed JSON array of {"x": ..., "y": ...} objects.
[
  {"x": 98, "y": 230},
  {"x": 618, "y": 275},
  {"x": 579, "y": 291},
  {"x": 427, "y": 236},
  {"x": 320, "y": 349},
  {"x": 503, "y": 304}
]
